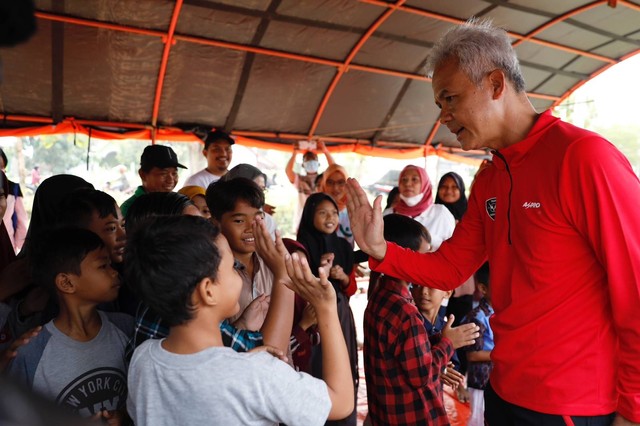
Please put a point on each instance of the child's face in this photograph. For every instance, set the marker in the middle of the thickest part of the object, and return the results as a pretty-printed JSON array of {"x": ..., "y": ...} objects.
[
  {"x": 236, "y": 227},
  {"x": 98, "y": 282},
  {"x": 228, "y": 279},
  {"x": 325, "y": 219},
  {"x": 111, "y": 231},
  {"x": 201, "y": 204},
  {"x": 428, "y": 299}
]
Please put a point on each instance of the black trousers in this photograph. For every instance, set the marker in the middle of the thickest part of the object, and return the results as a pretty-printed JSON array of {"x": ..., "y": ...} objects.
[{"x": 498, "y": 412}]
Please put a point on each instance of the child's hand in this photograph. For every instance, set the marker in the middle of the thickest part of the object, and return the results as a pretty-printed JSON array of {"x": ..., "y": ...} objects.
[
  {"x": 272, "y": 253},
  {"x": 254, "y": 314},
  {"x": 462, "y": 335},
  {"x": 337, "y": 273},
  {"x": 111, "y": 418},
  {"x": 317, "y": 291},
  {"x": 452, "y": 377},
  {"x": 308, "y": 317},
  {"x": 326, "y": 261},
  {"x": 271, "y": 350},
  {"x": 10, "y": 353}
]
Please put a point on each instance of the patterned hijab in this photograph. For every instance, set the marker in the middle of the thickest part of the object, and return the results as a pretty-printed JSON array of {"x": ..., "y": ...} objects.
[{"x": 425, "y": 190}]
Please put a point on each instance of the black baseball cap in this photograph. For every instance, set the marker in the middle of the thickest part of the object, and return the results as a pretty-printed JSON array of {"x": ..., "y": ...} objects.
[
  {"x": 160, "y": 156},
  {"x": 217, "y": 135}
]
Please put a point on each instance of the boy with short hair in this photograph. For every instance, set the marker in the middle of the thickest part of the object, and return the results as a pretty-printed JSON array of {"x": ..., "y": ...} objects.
[
  {"x": 234, "y": 205},
  {"x": 185, "y": 270},
  {"x": 402, "y": 369},
  {"x": 479, "y": 354},
  {"x": 78, "y": 357}
]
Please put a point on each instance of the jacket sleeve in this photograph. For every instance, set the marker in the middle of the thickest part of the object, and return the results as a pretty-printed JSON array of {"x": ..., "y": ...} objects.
[
  {"x": 602, "y": 202},
  {"x": 451, "y": 265}
]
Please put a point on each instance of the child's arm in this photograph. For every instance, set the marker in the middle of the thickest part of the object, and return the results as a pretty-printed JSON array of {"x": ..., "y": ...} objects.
[
  {"x": 336, "y": 369},
  {"x": 276, "y": 329},
  {"x": 479, "y": 356}
]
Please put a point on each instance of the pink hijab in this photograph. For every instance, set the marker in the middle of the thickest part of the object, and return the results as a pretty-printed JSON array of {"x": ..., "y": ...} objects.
[{"x": 425, "y": 189}]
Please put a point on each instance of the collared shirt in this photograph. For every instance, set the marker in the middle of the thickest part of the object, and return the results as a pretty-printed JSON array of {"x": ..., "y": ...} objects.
[
  {"x": 149, "y": 326},
  {"x": 401, "y": 367},
  {"x": 262, "y": 283},
  {"x": 127, "y": 203}
]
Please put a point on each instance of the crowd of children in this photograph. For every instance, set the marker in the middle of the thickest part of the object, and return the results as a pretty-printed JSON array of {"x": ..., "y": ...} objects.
[{"x": 111, "y": 316}]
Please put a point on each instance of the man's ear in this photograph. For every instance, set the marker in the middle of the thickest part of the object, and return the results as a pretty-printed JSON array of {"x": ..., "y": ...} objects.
[
  {"x": 64, "y": 283},
  {"x": 204, "y": 152},
  {"x": 206, "y": 292},
  {"x": 141, "y": 174},
  {"x": 497, "y": 81},
  {"x": 448, "y": 294}
]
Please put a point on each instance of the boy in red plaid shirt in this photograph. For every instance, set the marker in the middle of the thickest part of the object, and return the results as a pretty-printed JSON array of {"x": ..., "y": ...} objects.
[{"x": 402, "y": 369}]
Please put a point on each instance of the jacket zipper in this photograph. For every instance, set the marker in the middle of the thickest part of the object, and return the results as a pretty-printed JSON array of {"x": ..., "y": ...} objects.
[{"x": 499, "y": 155}]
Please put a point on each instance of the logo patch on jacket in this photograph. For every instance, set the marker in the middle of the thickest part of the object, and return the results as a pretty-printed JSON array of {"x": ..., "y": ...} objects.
[{"x": 490, "y": 207}]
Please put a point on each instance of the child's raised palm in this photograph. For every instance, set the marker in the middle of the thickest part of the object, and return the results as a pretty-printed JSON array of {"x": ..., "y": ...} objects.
[{"x": 462, "y": 335}]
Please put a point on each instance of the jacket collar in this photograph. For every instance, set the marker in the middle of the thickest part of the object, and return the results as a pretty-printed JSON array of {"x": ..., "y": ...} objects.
[{"x": 517, "y": 152}]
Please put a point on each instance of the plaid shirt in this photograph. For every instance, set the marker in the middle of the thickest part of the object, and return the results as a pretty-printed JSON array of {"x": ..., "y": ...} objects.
[
  {"x": 149, "y": 326},
  {"x": 401, "y": 366}
]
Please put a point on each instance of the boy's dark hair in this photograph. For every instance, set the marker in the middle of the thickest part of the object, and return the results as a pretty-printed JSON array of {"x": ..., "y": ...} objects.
[
  {"x": 222, "y": 196},
  {"x": 77, "y": 208},
  {"x": 482, "y": 274},
  {"x": 165, "y": 261},
  {"x": 59, "y": 251},
  {"x": 154, "y": 204},
  {"x": 404, "y": 231}
]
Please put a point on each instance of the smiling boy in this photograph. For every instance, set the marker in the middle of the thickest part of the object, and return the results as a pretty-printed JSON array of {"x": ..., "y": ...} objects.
[{"x": 234, "y": 205}]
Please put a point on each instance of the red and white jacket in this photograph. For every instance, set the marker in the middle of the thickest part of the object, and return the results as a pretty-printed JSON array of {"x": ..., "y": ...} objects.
[{"x": 558, "y": 217}]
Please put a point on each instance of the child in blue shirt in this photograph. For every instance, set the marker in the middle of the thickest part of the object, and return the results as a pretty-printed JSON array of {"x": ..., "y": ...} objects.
[{"x": 479, "y": 354}]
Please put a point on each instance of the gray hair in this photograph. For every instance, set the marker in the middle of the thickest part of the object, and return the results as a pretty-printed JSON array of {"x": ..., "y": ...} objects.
[{"x": 479, "y": 47}]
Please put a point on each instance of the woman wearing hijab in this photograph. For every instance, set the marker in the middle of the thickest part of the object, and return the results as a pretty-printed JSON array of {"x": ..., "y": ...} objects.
[
  {"x": 334, "y": 183},
  {"x": 451, "y": 194},
  {"x": 416, "y": 201}
]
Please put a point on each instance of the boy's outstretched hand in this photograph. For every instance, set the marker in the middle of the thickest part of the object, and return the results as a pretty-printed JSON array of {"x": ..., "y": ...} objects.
[
  {"x": 452, "y": 377},
  {"x": 8, "y": 354},
  {"x": 253, "y": 315},
  {"x": 271, "y": 252},
  {"x": 462, "y": 335},
  {"x": 317, "y": 291},
  {"x": 271, "y": 350},
  {"x": 366, "y": 220}
]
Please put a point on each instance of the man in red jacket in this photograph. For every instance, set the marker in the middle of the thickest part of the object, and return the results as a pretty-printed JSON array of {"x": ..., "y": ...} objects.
[{"x": 556, "y": 214}]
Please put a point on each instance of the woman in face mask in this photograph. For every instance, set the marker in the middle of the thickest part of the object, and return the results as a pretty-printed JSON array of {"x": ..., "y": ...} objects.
[{"x": 416, "y": 201}]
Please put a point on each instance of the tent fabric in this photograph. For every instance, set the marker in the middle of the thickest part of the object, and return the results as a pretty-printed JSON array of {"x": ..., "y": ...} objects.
[{"x": 350, "y": 72}]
